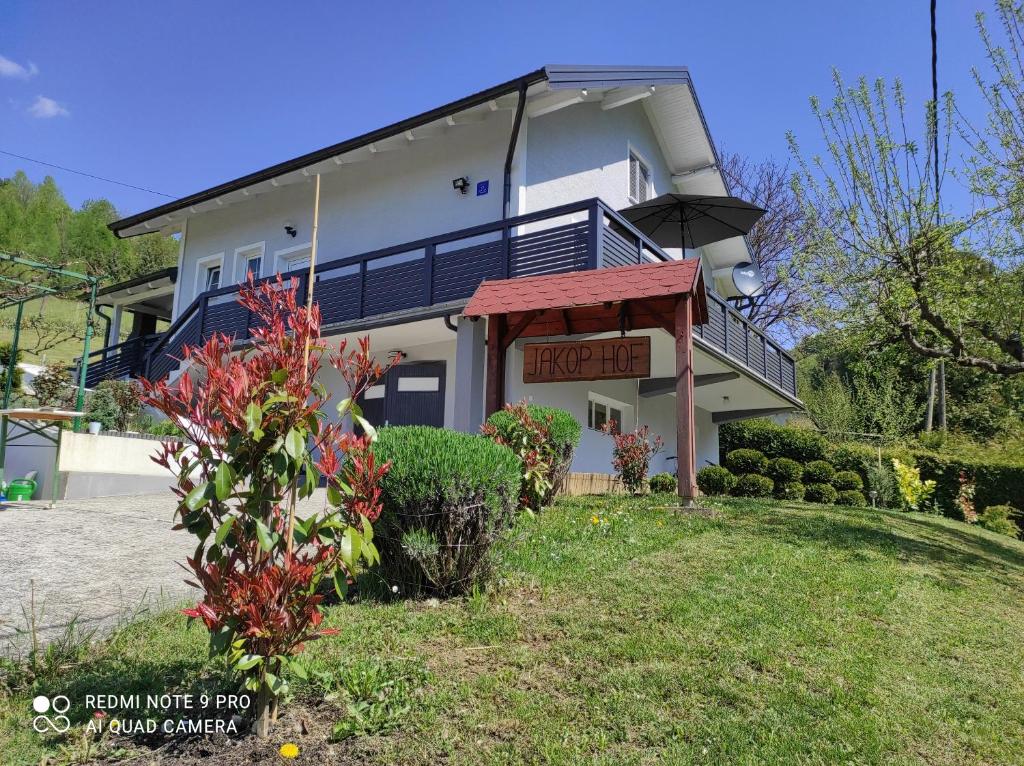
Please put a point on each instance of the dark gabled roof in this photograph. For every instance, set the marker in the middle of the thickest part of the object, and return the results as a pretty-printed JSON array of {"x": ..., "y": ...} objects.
[
  {"x": 558, "y": 76},
  {"x": 170, "y": 273}
]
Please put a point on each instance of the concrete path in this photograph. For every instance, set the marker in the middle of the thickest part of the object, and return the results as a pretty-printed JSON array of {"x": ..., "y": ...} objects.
[{"x": 99, "y": 560}]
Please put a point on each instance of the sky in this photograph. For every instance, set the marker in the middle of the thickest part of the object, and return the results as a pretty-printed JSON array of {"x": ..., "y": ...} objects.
[{"x": 176, "y": 97}]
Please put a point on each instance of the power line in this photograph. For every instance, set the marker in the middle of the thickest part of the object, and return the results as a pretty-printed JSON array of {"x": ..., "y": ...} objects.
[{"x": 87, "y": 175}]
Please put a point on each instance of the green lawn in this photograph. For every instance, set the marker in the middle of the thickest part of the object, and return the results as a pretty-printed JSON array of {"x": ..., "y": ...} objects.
[{"x": 770, "y": 634}]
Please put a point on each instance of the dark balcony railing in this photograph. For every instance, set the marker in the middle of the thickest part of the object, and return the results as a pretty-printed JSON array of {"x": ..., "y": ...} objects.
[
  {"x": 443, "y": 271},
  {"x": 125, "y": 360}
]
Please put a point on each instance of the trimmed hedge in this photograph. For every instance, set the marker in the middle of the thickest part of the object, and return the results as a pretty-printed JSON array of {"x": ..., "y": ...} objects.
[
  {"x": 818, "y": 472},
  {"x": 715, "y": 480},
  {"x": 663, "y": 483},
  {"x": 851, "y": 497},
  {"x": 773, "y": 440},
  {"x": 791, "y": 490},
  {"x": 447, "y": 498},
  {"x": 999, "y": 518},
  {"x": 821, "y": 493},
  {"x": 564, "y": 432},
  {"x": 753, "y": 485},
  {"x": 741, "y": 461},
  {"x": 785, "y": 471},
  {"x": 846, "y": 480},
  {"x": 995, "y": 483}
]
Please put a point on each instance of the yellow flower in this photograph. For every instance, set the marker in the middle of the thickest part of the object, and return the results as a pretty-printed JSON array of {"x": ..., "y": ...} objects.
[
  {"x": 595, "y": 520},
  {"x": 289, "y": 750}
]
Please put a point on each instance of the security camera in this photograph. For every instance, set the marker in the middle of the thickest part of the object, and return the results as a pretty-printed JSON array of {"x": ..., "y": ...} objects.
[
  {"x": 461, "y": 185},
  {"x": 290, "y": 229}
]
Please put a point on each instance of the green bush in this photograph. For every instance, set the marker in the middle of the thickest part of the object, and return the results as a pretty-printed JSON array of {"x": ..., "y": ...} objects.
[
  {"x": 773, "y": 440},
  {"x": 753, "y": 485},
  {"x": 853, "y": 457},
  {"x": 818, "y": 472},
  {"x": 715, "y": 480},
  {"x": 127, "y": 398},
  {"x": 447, "y": 499},
  {"x": 821, "y": 493},
  {"x": 999, "y": 518},
  {"x": 851, "y": 497},
  {"x": 741, "y": 461},
  {"x": 102, "y": 407},
  {"x": 882, "y": 481},
  {"x": 847, "y": 480},
  {"x": 564, "y": 433},
  {"x": 784, "y": 470},
  {"x": 790, "y": 490},
  {"x": 5, "y": 359},
  {"x": 996, "y": 483},
  {"x": 663, "y": 483}
]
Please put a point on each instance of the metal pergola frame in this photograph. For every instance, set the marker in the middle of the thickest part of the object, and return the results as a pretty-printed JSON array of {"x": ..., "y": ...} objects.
[{"x": 16, "y": 290}]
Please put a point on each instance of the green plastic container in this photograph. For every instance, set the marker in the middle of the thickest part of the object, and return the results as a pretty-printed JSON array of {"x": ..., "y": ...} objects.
[{"x": 21, "y": 489}]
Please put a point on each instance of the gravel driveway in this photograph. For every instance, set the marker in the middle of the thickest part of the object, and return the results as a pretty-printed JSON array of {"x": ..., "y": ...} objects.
[{"x": 100, "y": 560}]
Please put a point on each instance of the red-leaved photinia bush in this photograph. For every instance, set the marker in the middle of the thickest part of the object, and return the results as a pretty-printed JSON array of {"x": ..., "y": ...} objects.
[
  {"x": 260, "y": 441},
  {"x": 631, "y": 455}
]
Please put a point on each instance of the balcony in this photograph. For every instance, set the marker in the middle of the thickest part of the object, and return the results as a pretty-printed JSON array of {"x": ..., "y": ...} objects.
[{"x": 437, "y": 275}]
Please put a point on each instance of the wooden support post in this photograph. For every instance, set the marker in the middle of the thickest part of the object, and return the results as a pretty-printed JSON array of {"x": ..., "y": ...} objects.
[
  {"x": 686, "y": 445},
  {"x": 495, "y": 363}
]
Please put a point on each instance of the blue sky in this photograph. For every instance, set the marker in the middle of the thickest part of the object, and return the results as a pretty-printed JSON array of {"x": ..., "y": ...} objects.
[{"x": 178, "y": 97}]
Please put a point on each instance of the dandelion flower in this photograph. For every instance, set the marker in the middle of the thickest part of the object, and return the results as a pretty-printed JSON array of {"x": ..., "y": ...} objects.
[
  {"x": 595, "y": 520},
  {"x": 289, "y": 750}
]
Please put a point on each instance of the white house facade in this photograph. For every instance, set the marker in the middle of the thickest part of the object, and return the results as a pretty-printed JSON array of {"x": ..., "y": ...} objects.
[{"x": 524, "y": 179}]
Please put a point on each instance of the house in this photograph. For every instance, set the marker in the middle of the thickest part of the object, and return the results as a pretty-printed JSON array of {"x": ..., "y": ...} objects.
[{"x": 523, "y": 180}]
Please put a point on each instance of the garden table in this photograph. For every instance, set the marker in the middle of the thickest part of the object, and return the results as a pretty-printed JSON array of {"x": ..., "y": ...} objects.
[{"x": 36, "y": 421}]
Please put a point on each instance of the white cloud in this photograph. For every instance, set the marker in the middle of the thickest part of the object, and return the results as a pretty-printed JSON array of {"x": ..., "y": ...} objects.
[
  {"x": 18, "y": 71},
  {"x": 45, "y": 108}
]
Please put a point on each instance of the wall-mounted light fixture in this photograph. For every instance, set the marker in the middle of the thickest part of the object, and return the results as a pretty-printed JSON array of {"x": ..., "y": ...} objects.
[
  {"x": 461, "y": 185},
  {"x": 289, "y": 229}
]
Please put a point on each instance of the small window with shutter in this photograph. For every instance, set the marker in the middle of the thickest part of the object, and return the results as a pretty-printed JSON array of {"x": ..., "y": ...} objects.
[{"x": 639, "y": 180}]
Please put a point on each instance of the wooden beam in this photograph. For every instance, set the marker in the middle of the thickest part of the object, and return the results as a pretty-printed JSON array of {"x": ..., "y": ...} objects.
[
  {"x": 495, "y": 364},
  {"x": 621, "y": 96},
  {"x": 686, "y": 443},
  {"x": 553, "y": 101},
  {"x": 513, "y": 333}
]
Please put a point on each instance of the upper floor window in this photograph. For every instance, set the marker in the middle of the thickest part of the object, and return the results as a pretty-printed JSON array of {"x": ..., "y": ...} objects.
[
  {"x": 249, "y": 258},
  {"x": 213, "y": 277},
  {"x": 639, "y": 179}
]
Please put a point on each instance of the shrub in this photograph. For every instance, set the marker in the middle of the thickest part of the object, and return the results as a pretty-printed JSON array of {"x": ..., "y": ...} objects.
[
  {"x": 5, "y": 359},
  {"x": 852, "y": 457},
  {"x": 851, "y": 497},
  {"x": 820, "y": 493},
  {"x": 996, "y": 481},
  {"x": 784, "y": 471},
  {"x": 54, "y": 387},
  {"x": 447, "y": 498},
  {"x": 528, "y": 435},
  {"x": 914, "y": 492},
  {"x": 818, "y": 472},
  {"x": 999, "y": 518},
  {"x": 790, "y": 490},
  {"x": 631, "y": 455},
  {"x": 753, "y": 485},
  {"x": 102, "y": 407},
  {"x": 715, "y": 480},
  {"x": 663, "y": 483},
  {"x": 773, "y": 440},
  {"x": 127, "y": 398},
  {"x": 847, "y": 480},
  {"x": 257, "y": 421},
  {"x": 882, "y": 481},
  {"x": 741, "y": 461}
]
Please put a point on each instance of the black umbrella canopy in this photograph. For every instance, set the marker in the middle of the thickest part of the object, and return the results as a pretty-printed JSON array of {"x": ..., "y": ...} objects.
[{"x": 692, "y": 220}]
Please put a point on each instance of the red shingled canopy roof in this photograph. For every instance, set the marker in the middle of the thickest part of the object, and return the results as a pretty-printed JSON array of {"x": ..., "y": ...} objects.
[{"x": 556, "y": 300}]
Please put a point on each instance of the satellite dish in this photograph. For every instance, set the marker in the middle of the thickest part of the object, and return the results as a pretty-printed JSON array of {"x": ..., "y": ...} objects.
[{"x": 748, "y": 279}]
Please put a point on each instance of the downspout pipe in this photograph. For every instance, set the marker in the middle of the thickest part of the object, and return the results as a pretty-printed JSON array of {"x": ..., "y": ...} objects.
[{"x": 506, "y": 198}]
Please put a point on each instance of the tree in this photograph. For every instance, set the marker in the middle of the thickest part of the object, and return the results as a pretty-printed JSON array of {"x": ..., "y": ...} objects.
[
  {"x": 879, "y": 260},
  {"x": 773, "y": 240}
]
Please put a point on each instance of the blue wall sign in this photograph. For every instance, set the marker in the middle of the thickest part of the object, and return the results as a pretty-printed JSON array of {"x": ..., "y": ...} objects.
[{"x": 482, "y": 187}]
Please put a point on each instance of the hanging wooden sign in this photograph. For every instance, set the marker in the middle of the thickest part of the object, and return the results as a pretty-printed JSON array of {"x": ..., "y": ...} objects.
[{"x": 606, "y": 359}]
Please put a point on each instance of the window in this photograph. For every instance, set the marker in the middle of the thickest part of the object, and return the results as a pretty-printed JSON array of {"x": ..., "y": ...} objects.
[
  {"x": 292, "y": 258},
  {"x": 212, "y": 277},
  {"x": 248, "y": 258},
  {"x": 639, "y": 179},
  {"x": 601, "y": 409}
]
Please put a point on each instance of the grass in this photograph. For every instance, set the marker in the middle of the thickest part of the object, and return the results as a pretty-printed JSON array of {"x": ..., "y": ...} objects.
[
  {"x": 56, "y": 309},
  {"x": 770, "y": 634}
]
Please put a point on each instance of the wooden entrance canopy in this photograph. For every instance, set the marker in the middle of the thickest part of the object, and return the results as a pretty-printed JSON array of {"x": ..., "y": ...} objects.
[{"x": 669, "y": 296}]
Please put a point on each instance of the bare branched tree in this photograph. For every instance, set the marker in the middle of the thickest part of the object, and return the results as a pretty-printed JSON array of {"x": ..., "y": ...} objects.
[{"x": 773, "y": 240}]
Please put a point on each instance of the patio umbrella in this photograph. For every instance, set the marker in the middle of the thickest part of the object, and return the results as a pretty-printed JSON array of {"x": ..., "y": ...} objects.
[{"x": 692, "y": 220}]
